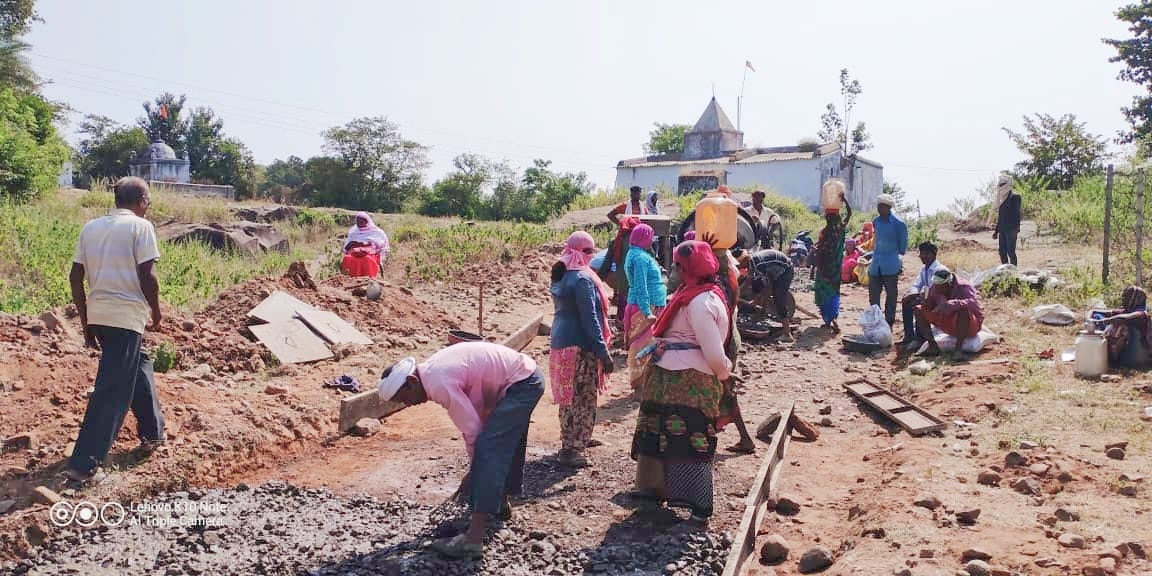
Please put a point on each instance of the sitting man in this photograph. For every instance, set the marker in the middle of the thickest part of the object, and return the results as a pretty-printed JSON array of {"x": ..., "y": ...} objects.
[
  {"x": 770, "y": 274},
  {"x": 490, "y": 392},
  {"x": 913, "y": 339},
  {"x": 366, "y": 248},
  {"x": 951, "y": 306}
]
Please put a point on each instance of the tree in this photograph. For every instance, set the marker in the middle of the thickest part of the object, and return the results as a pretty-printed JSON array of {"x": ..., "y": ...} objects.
[
  {"x": 834, "y": 122},
  {"x": 904, "y": 205},
  {"x": 284, "y": 179},
  {"x": 31, "y": 152},
  {"x": 205, "y": 132},
  {"x": 107, "y": 148},
  {"x": 1057, "y": 149},
  {"x": 1136, "y": 54},
  {"x": 551, "y": 193},
  {"x": 386, "y": 169},
  {"x": 461, "y": 192},
  {"x": 667, "y": 138},
  {"x": 15, "y": 18},
  {"x": 162, "y": 122}
]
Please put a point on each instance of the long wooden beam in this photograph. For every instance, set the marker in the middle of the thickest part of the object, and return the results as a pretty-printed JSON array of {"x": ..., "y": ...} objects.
[
  {"x": 763, "y": 490},
  {"x": 367, "y": 404}
]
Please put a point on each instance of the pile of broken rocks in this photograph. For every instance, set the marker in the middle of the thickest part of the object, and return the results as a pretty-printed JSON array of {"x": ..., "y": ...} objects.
[{"x": 278, "y": 529}]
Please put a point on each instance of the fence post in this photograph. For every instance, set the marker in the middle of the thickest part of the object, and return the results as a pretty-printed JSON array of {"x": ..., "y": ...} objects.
[
  {"x": 1107, "y": 223},
  {"x": 1140, "y": 228}
]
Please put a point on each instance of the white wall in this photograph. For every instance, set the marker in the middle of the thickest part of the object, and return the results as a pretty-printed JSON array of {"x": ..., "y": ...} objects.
[{"x": 799, "y": 179}]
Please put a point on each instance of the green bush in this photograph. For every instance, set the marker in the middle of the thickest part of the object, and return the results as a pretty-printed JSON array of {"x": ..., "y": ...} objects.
[
  {"x": 164, "y": 357},
  {"x": 31, "y": 152}
]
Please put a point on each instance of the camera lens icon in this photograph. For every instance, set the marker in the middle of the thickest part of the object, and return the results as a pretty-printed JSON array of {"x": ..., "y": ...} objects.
[
  {"x": 87, "y": 514},
  {"x": 112, "y": 514},
  {"x": 62, "y": 513}
]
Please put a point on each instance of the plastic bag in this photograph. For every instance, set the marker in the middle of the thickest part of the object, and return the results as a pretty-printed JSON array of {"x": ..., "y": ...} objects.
[
  {"x": 1054, "y": 315},
  {"x": 970, "y": 345},
  {"x": 875, "y": 327}
]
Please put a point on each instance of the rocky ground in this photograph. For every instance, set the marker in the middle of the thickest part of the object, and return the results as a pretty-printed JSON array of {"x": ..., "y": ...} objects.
[{"x": 278, "y": 529}]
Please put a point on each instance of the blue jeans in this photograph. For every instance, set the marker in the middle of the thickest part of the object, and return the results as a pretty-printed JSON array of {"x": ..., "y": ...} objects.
[
  {"x": 498, "y": 457},
  {"x": 124, "y": 381}
]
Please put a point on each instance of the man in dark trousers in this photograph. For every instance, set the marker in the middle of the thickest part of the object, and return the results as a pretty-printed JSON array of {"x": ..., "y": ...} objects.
[
  {"x": 1007, "y": 219},
  {"x": 117, "y": 254}
]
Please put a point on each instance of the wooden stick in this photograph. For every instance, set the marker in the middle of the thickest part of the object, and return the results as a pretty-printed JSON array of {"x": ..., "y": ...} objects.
[
  {"x": 480, "y": 319},
  {"x": 807, "y": 312}
]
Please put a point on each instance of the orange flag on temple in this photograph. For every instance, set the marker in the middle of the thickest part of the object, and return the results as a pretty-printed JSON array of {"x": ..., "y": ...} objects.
[{"x": 163, "y": 111}]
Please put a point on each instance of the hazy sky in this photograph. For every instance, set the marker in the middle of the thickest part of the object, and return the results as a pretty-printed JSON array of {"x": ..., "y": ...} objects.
[{"x": 581, "y": 83}]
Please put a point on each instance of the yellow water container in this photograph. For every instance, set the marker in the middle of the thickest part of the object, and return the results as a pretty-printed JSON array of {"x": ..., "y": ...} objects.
[
  {"x": 830, "y": 195},
  {"x": 716, "y": 214}
]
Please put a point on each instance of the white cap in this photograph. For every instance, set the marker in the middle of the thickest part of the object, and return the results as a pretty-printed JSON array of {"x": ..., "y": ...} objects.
[
  {"x": 396, "y": 378},
  {"x": 886, "y": 199}
]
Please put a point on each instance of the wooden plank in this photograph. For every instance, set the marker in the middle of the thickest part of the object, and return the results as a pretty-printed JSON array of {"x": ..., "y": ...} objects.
[
  {"x": 763, "y": 489},
  {"x": 520, "y": 339},
  {"x": 912, "y": 418},
  {"x": 862, "y": 388},
  {"x": 367, "y": 404},
  {"x": 279, "y": 307},
  {"x": 332, "y": 328},
  {"x": 887, "y": 402},
  {"x": 292, "y": 342}
]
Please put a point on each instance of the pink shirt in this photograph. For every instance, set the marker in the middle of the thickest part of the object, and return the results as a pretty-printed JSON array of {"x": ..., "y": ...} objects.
[
  {"x": 469, "y": 379},
  {"x": 704, "y": 322}
]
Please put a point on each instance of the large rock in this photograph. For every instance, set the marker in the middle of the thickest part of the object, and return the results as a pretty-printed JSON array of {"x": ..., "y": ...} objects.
[
  {"x": 815, "y": 560},
  {"x": 366, "y": 427},
  {"x": 1069, "y": 540},
  {"x": 265, "y": 213},
  {"x": 774, "y": 550},
  {"x": 978, "y": 568},
  {"x": 244, "y": 237}
]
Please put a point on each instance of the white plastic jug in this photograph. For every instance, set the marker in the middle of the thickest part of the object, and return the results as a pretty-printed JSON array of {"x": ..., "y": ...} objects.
[
  {"x": 830, "y": 195},
  {"x": 1091, "y": 355}
]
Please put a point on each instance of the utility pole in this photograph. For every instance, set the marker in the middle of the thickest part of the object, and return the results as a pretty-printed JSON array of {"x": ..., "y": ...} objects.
[
  {"x": 1107, "y": 223},
  {"x": 1140, "y": 227}
]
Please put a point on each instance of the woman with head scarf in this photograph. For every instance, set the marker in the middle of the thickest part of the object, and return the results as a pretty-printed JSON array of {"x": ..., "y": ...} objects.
[
  {"x": 1129, "y": 331},
  {"x": 851, "y": 257},
  {"x": 366, "y": 248},
  {"x": 828, "y": 256},
  {"x": 681, "y": 397},
  {"x": 579, "y": 361},
  {"x": 651, "y": 202},
  {"x": 866, "y": 239},
  {"x": 616, "y": 254},
  {"x": 647, "y": 294}
]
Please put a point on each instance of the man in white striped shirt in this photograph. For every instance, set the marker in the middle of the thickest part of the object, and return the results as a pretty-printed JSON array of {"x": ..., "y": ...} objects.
[
  {"x": 915, "y": 296},
  {"x": 117, "y": 254}
]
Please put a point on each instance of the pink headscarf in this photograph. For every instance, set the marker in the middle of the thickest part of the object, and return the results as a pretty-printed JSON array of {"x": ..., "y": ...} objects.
[
  {"x": 642, "y": 236},
  {"x": 579, "y": 249}
]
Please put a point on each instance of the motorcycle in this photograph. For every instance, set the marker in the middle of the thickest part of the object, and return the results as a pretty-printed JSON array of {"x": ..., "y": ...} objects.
[{"x": 800, "y": 248}]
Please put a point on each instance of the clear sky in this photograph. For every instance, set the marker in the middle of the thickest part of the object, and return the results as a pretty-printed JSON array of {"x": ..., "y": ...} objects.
[{"x": 581, "y": 83}]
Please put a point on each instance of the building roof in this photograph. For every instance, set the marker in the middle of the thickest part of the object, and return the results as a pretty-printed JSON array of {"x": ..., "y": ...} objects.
[
  {"x": 739, "y": 157},
  {"x": 714, "y": 119},
  {"x": 160, "y": 151}
]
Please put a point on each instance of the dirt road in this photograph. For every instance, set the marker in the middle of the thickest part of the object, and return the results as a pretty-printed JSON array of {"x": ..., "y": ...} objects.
[{"x": 856, "y": 488}]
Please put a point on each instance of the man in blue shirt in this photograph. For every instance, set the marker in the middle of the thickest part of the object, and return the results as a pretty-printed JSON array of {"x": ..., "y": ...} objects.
[{"x": 891, "y": 244}]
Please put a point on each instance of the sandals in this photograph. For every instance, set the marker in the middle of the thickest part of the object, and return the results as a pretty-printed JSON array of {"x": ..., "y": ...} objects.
[
  {"x": 741, "y": 449},
  {"x": 572, "y": 458},
  {"x": 458, "y": 548}
]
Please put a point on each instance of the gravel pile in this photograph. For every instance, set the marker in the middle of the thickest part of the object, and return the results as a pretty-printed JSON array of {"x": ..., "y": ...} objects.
[{"x": 277, "y": 529}]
